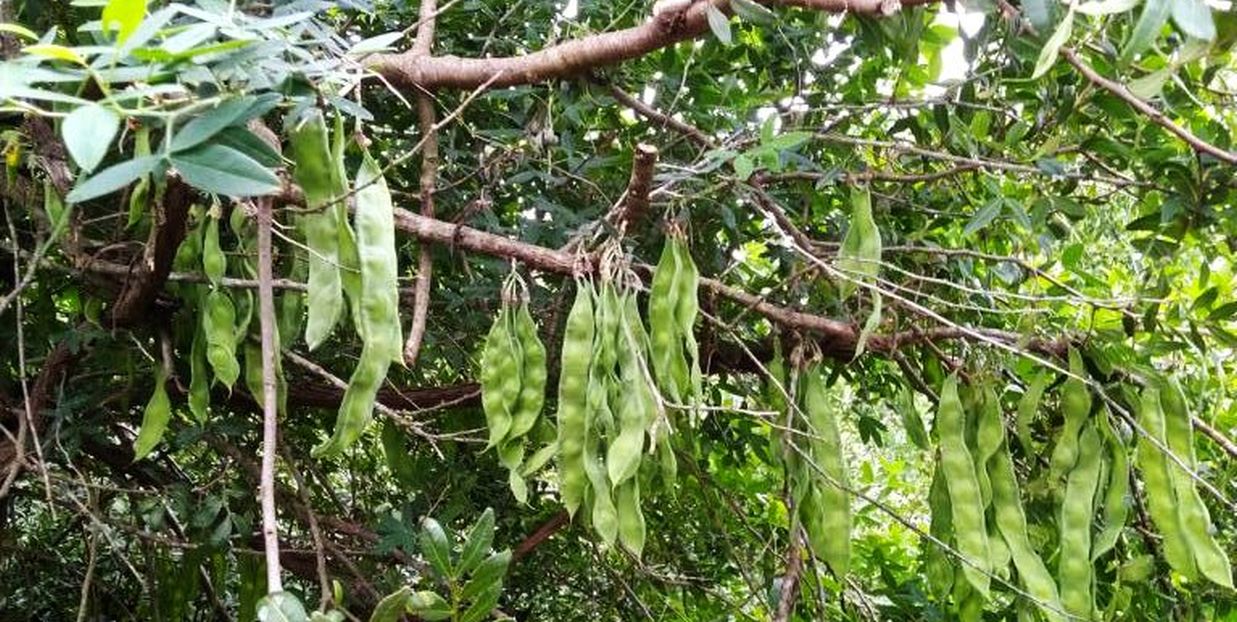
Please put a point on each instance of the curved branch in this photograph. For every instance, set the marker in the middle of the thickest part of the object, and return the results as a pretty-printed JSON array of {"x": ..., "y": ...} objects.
[
  {"x": 410, "y": 70},
  {"x": 1123, "y": 93}
]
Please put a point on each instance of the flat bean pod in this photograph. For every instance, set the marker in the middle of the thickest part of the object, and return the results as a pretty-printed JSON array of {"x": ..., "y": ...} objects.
[
  {"x": 357, "y": 408},
  {"x": 1116, "y": 506},
  {"x": 218, "y": 318},
  {"x": 375, "y": 247},
  {"x": 533, "y": 379},
  {"x": 1075, "y": 407},
  {"x": 498, "y": 366},
  {"x": 964, "y": 495},
  {"x": 1075, "y": 573},
  {"x": 573, "y": 384},
  {"x": 631, "y": 527},
  {"x": 1210, "y": 558},
  {"x": 938, "y": 571},
  {"x": 155, "y": 418},
  {"x": 199, "y": 376},
  {"x": 833, "y": 500},
  {"x": 1028, "y": 407},
  {"x": 1157, "y": 480},
  {"x": 1011, "y": 521}
]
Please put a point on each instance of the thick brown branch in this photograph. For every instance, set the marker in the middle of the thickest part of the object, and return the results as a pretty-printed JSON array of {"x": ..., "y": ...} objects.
[
  {"x": 410, "y": 70},
  {"x": 636, "y": 199},
  {"x": 836, "y": 338},
  {"x": 543, "y": 533},
  {"x": 1123, "y": 93},
  {"x": 147, "y": 277}
]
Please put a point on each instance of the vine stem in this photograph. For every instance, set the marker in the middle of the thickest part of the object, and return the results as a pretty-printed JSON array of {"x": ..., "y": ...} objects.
[{"x": 270, "y": 401}]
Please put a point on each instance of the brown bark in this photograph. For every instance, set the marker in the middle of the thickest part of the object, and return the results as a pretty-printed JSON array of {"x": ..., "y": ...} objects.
[
  {"x": 409, "y": 70},
  {"x": 146, "y": 279}
]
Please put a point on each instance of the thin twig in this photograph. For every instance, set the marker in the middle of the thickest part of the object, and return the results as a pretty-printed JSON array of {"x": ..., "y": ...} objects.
[
  {"x": 270, "y": 399},
  {"x": 302, "y": 491},
  {"x": 429, "y": 180}
]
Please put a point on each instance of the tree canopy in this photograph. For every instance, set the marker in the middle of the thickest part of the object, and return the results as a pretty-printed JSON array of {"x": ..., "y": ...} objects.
[{"x": 697, "y": 310}]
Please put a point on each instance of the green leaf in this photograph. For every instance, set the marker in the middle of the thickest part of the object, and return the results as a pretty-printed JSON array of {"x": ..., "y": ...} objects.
[
  {"x": 436, "y": 547},
  {"x": 719, "y": 24},
  {"x": 392, "y": 607},
  {"x": 377, "y": 43},
  {"x": 250, "y": 144},
  {"x": 789, "y": 140},
  {"x": 155, "y": 418},
  {"x": 1205, "y": 299},
  {"x": 744, "y": 166},
  {"x": 123, "y": 16},
  {"x": 1106, "y": 7},
  {"x": 483, "y": 605},
  {"x": 1038, "y": 12},
  {"x": 88, "y": 132},
  {"x": 869, "y": 326},
  {"x": 429, "y": 606},
  {"x": 1052, "y": 48},
  {"x": 224, "y": 170},
  {"x": 281, "y": 607},
  {"x": 752, "y": 11},
  {"x": 112, "y": 178},
  {"x": 202, "y": 128},
  {"x": 1223, "y": 312},
  {"x": 984, "y": 216},
  {"x": 1150, "y": 21},
  {"x": 860, "y": 254},
  {"x": 189, "y": 39},
  {"x": 488, "y": 574},
  {"x": 1193, "y": 17},
  {"x": 55, "y": 52},
  {"x": 478, "y": 542},
  {"x": 1150, "y": 85},
  {"x": 19, "y": 30}
]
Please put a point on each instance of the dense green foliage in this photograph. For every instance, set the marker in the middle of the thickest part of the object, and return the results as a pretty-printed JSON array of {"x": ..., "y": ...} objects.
[{"x": 923, "y": 312}]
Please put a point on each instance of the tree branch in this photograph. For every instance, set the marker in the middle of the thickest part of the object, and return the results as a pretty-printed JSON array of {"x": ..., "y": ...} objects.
[
  {"x": 635, "y": 202},
  {"x": 543, "y": 533},
  {"x": 270, "y": 399},
  {"x": 147, "y": 278},
  {"x": 409, "y": 70},
  {"x": 693, "y": 133},
  {"x": 837, "y": 338},
  {"x": 1157, "y": 117},
  {"x": 426, "y": 118}
]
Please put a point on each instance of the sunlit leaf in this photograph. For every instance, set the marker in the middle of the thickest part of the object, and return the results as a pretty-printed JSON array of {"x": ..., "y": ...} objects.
[
  {"x": 436, "y": 548},
  {"x": 56, "y": 52},
  {"x": 1052, "y": 48},
  {"x": 377, "y": 43},
  {"x": 1153, "y": 17},
  {"x": 429, "y": 606},
  {"x": 1193, "y": 17},
  {"x": 391, "y": 608},
  {"x": 88, "y": 132},
  {"x": 753, "y": 11},
  {"x": 281, "y": 607},
  {"x": 719, "y": 24},
  {"x": 123, "y": 17}
]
